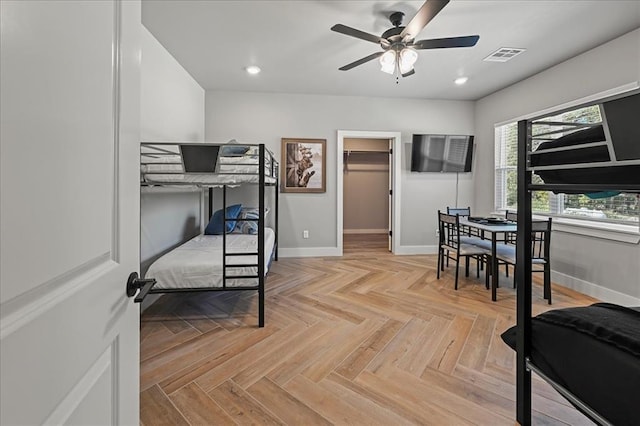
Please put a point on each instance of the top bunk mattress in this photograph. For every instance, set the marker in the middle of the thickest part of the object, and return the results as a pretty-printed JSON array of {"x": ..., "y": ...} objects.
[
  {"x": 606, "y": 153},
  {"x": 588, "y": 154},
  {"x": 166, "y": 167},
  {"x": 198, "y": 262}
]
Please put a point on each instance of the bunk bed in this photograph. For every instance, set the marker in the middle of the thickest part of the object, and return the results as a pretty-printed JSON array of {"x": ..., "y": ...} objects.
[
  {"x": 590, "y": 355},
  {"x": 237, "y": 247}
]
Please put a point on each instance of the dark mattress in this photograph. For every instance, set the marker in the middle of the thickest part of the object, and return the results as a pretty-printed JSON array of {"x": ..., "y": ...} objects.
[
  {"x": 627, "y": 174},
  {"x": 594, "y": 352}
]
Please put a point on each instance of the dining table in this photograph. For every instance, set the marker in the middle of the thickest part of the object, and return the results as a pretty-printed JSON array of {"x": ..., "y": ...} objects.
[{"x": 490, "y": 228}]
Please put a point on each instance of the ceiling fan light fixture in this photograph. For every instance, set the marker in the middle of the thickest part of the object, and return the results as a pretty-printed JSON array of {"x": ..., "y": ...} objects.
[
  {"x": 388, "y": 62},
  {"x": 398, "y": 43},
  {"x": 408, "y": 58}
]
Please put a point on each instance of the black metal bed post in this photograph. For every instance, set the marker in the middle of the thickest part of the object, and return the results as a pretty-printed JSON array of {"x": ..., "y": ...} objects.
[
  {"x": 523, "y": 277},
  {"x": 261, "y": 223},
  {"x": 210, "y": 204},
  {"x": 224, "y": 236},
  {"x": 277, "y": 196}
]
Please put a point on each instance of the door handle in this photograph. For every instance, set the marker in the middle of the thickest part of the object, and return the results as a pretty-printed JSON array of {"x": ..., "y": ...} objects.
[{"x": 134, "y": 283}]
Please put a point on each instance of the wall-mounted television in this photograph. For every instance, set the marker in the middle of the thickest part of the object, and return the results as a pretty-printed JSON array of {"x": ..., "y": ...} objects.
[{"x": 441, "y": 153}]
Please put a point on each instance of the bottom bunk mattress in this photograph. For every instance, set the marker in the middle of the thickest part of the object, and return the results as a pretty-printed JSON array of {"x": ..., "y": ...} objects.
[
  {"x": 197, "y": 264},
  {"x": 593, "y": 352}
]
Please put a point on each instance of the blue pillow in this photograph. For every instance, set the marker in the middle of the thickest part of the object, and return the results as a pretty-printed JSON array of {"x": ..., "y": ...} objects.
[
  {"x": 216, "y": 224},
  {"x": 248, "y": 226},
  {"x": 234, "y": 151}
]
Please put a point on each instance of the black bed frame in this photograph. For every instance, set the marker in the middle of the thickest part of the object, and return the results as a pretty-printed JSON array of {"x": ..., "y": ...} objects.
[
  {"x": 523, "y": 255},
  {"x": 263, "y": 172}
]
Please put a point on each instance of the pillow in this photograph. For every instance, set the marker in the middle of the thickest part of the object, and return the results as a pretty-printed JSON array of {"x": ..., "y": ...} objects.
[
  {"x": 233, "y": 150},
  {"x": 247, "y": 226},
  {"x": 215, "y": 226}
]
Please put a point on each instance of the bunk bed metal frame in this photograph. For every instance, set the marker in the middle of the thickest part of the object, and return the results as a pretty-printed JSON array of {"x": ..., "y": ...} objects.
[
  {"x": 268, "y": 175},
  {"x": 524, "y": 364}
]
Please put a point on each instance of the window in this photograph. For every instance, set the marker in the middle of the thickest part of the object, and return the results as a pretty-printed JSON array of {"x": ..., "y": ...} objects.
[{"x": 621, "y": 208}]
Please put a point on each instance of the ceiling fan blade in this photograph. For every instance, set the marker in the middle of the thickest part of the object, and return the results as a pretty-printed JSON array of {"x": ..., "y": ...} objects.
[
  {"x": 343, "y": 29},
  {"x": 408, "y": 73},
  {"x": 361, "y": 61},
  {"x": 442, "y": 43},
  {"x": 429, "y": 9}
]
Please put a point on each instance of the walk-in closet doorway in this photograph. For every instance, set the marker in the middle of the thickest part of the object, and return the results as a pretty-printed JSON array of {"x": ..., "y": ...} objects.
[
  {"x": 366, "y": 197},
  {"x": 366, "y": 186}
]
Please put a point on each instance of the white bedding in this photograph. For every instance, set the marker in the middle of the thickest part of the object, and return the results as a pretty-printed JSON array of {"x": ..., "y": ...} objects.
[
  {"x": 198, "y": 262},
  {"x": 205, "y": 179},
  {"x": 230, "y": 170}
]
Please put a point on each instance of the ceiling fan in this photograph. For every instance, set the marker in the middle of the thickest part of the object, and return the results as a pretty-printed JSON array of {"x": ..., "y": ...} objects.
[{"x": 399, "y": 47}]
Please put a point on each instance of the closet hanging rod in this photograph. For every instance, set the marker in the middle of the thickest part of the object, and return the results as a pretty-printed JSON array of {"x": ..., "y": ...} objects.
[{"x": 360, "y": 151}]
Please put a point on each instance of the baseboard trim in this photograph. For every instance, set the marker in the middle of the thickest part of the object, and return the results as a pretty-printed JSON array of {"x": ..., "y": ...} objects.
[
  {"x": 594, "y": 290},
  {"x": 309, "y": 252}
]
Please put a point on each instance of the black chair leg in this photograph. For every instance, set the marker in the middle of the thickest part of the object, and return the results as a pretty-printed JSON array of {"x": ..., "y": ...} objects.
[
  {"x": 547, "y": 283},
  {"x": 457, "y": 269},
  {"x": 466, "y": 266},
  {"x": 487, "y": 273}
]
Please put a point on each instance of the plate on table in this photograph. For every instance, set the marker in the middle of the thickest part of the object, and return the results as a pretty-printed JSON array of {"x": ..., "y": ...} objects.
[
  {"x": 496, "y": 221},
  {"x": 478, "y": 219}
]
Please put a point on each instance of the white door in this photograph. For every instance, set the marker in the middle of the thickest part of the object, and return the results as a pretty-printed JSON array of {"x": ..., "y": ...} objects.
[{"x": 70, "y": 89}]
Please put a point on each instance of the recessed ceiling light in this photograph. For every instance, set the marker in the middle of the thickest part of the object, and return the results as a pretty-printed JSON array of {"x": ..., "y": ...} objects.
[
  {"x": 460, "y": 80},
  {"x": 253, "y": 69}
]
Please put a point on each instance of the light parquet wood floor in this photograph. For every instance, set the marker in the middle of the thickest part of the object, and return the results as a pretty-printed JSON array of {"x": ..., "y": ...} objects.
[{"x": 369, "y": 338}]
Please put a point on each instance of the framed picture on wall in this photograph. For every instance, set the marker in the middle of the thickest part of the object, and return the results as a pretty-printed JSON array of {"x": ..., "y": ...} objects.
[{"x": 304, "y": 165}]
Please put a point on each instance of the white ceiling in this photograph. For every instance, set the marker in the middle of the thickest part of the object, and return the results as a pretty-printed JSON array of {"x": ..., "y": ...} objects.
[{"x": 291, "y": 41}]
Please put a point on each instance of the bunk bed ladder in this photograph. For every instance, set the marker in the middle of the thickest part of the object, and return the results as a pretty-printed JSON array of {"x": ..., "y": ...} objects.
[{"x": 261, "y": 239}]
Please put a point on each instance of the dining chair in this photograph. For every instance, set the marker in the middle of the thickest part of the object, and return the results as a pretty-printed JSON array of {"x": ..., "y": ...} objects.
[
  {"x": 451, "y": 245},
  {"x": 540, "y": 260},
  {"x": 511, "y": 216},
  {"x": 462, "y": 211},
  {"x": 510, "y": 237}
]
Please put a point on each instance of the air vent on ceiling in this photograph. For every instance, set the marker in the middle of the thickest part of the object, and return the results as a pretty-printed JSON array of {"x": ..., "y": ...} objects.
[{"x": 503, "y": 54}]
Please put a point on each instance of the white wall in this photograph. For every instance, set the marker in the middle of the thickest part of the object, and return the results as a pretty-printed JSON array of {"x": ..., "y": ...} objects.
[
  {"x": 172, "y": 110},
  {"x": 268, "y": 117},
  {"x": 594, "y": 266}
]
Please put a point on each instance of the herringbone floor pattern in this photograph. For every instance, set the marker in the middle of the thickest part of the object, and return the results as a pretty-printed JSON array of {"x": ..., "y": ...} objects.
[{"x": 366, "y": 339}]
